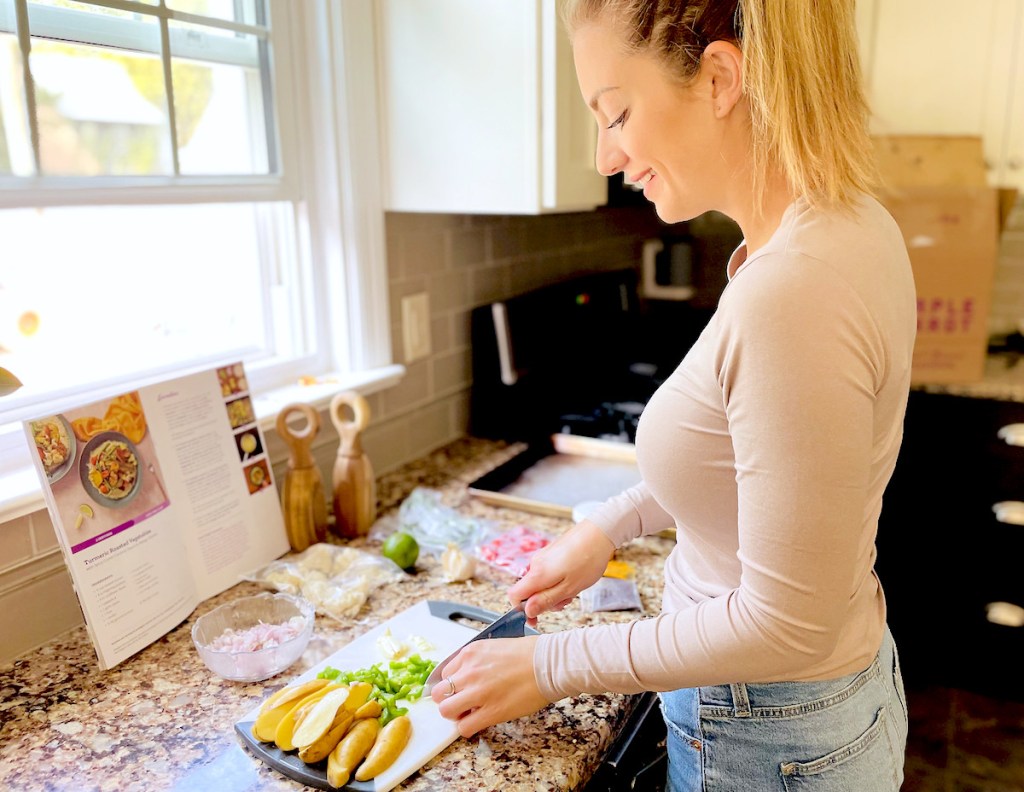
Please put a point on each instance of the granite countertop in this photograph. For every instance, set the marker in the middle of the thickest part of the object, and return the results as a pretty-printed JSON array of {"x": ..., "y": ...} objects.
[
  {"x": 1003, "y": 380},
  {"x": 162, "y": 720}
]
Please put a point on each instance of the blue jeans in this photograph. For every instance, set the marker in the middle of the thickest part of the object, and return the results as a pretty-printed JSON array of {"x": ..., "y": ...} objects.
[{"x": 839, "y": 735}]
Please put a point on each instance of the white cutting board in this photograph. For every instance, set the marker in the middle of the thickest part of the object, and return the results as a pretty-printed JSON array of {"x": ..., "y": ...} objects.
[{"x": 431, "y": 733}]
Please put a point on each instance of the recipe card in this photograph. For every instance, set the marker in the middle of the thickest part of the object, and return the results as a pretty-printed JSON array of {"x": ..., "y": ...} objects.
[{"x": 161, "y": 498}]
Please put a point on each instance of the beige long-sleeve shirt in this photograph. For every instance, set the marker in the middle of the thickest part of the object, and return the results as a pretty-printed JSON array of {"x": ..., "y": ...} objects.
[{"x": 768, "y": 449}]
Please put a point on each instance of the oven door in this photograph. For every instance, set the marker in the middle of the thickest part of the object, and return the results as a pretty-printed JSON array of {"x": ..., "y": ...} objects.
[{"x": 638, "y": 759}]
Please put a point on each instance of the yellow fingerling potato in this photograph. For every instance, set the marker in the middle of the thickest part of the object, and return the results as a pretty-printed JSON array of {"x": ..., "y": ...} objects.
[
  {"x": 292, "y": 693},
  {"x": 280, "y": 704},
  {"x": 300, "y": 712},
  {"x": 319, "y": 720},
  {"x": 351, "y": 750},
  {"x": 371, "y": 709},
  {"x": 286, "y": 728},
  {"x": 319, "y": 750},
  {"x": 358, "y": 693},
  {"x": 393, "y": 738}
]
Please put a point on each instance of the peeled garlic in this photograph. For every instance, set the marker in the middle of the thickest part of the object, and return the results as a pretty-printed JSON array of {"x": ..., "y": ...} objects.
[
  {"x": 457, "y": 566},
  {"x": 389, "y": 647}
]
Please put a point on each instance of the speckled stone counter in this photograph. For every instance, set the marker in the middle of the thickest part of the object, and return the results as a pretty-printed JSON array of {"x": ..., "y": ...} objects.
[
  {"x": 1003, "y": 380},
  {"x": 161, "y": 720}
]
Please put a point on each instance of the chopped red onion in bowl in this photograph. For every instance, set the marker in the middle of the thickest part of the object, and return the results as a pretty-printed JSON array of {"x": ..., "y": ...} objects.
[{"x": 254, "y": 638}]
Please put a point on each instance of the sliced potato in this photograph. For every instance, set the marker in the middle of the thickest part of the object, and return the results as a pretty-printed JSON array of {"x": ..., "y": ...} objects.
[
  {"x": 389, "y": 744},
  {"x": 319, "y": 719},
  {"x": 358, "y": 693},
  {"x": 351, "y": 750},
  {"x": 319, "y": 750},
  {"x": 303, "y": 711},
  {"x": 371, "y": 709},
  {"x": 286, "y": 728},
  {"x": 292, "y": 692},
  {"x": 278, "y": 705}
]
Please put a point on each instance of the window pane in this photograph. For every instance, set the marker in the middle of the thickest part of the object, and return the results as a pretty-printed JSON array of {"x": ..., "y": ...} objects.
[
  {"x": 219, "y": 111},
  {"x": 7, "y": 17},
  {"x": 96, "y": 293},
  {"x": 233, "y": 10},
  {"x": 75, "y": 5},
  {"x": 15, "y": 138},
  {"x": 100, "y": 111}
]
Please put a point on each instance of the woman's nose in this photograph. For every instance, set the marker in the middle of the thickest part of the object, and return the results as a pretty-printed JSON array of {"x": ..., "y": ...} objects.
[{"x": 610, "y": 159}]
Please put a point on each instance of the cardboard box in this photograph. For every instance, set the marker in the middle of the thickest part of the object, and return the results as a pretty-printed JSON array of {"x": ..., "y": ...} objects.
[
  {"x": 930, "y": 161},
  {"x": 935, "y": 188}
]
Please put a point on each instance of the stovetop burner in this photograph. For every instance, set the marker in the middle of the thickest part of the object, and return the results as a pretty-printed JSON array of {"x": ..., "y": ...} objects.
[{"x": 615, "y": 421}]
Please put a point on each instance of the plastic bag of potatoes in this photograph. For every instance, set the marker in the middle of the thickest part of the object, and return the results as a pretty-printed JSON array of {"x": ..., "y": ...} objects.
[{"x": 336, "y": 580}]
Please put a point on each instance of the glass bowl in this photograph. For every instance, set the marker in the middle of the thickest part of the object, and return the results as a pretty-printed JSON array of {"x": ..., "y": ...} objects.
[{"x": 245, "y": 614}]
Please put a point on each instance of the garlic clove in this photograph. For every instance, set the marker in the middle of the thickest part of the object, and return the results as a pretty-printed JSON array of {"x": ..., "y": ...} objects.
[{"x": 457, "y": 565}]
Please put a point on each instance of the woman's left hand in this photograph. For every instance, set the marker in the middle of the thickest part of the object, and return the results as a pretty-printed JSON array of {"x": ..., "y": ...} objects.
[{"x": 493, "y": 682}]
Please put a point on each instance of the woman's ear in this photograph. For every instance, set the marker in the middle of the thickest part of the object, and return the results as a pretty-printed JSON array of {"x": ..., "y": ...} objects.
[{"x": 724, "y": 63}]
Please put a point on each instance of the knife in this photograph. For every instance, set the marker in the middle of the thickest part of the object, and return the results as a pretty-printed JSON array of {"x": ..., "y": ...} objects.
[{"x": 511, "y": 624}]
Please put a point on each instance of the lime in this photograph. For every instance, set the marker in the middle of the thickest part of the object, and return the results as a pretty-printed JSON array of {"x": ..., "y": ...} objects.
[{"x": 402, "y": 549}]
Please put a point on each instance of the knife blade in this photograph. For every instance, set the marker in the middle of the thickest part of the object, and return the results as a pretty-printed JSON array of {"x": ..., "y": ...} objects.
[{"x": 511, "y": 624}]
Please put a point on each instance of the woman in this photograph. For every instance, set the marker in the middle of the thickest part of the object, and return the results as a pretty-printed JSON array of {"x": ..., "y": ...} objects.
[{"x": 770, "y": 446}]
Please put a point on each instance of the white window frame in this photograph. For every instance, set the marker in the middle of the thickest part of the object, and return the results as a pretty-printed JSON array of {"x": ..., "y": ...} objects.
[{"x": 325, "y": 67}]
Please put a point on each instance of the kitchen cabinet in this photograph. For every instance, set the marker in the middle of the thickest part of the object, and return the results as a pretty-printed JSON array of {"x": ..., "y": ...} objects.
[
  {"x": 945, "y": 554},
  {"x": 481, "y": 111},
  {"x": 946, "y": 68}
]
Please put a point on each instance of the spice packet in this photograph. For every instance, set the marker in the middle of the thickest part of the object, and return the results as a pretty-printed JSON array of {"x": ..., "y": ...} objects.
[{"x": 611, "y": 594}]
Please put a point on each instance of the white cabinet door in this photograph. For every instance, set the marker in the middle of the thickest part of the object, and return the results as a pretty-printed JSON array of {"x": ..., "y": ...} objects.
[
  {"x": 1012, "y": 173},
  {"x": 481, "y": 111},
  {"x": 942, "y": 67},
  {"x": 866, "y": 13}
]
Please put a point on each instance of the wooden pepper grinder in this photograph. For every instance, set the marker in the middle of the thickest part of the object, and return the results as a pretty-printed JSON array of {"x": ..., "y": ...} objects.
[
  {"x": 302, "y": 496},
  {"x": 355, "y": 491}
]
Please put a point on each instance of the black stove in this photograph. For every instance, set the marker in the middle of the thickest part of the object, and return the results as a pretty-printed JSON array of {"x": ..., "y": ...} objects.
[{"x": 577, "y": 357}]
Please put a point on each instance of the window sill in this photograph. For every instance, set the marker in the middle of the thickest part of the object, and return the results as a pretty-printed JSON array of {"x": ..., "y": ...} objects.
[{"x": 21, "y": 494}]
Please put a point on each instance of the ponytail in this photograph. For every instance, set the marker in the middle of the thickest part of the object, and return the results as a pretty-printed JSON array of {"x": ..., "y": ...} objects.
[{"x": 801, "y": 79}]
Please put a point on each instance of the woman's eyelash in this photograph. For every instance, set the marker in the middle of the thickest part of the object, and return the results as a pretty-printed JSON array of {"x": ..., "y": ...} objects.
[{"x": 618, "y": 121}]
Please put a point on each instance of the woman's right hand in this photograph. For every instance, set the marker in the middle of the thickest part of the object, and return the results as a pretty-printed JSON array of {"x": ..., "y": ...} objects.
[{"x": 574, "y": 561}]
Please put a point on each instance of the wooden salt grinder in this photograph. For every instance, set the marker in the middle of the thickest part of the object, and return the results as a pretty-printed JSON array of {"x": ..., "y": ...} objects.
[
  {"x": 355, "y": 491},
  {"x": 302, "y": 496}
]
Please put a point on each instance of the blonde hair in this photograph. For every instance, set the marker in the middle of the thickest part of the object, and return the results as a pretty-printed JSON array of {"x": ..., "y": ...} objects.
[{"x": 801, "y": 79}]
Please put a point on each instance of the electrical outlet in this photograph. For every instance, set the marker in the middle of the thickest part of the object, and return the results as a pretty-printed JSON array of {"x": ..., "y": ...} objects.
[{"x": 416, "y": 326}]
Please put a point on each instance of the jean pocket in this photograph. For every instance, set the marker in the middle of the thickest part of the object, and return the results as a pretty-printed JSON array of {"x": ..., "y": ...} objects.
[
  {"x": 685, "y": 764},
  {"x": 897, "y": 678},
  {"x": 865, "y": 763}
]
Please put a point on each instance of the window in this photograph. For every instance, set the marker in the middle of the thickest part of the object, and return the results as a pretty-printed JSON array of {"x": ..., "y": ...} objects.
[{"x": 177, "y": 190}]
